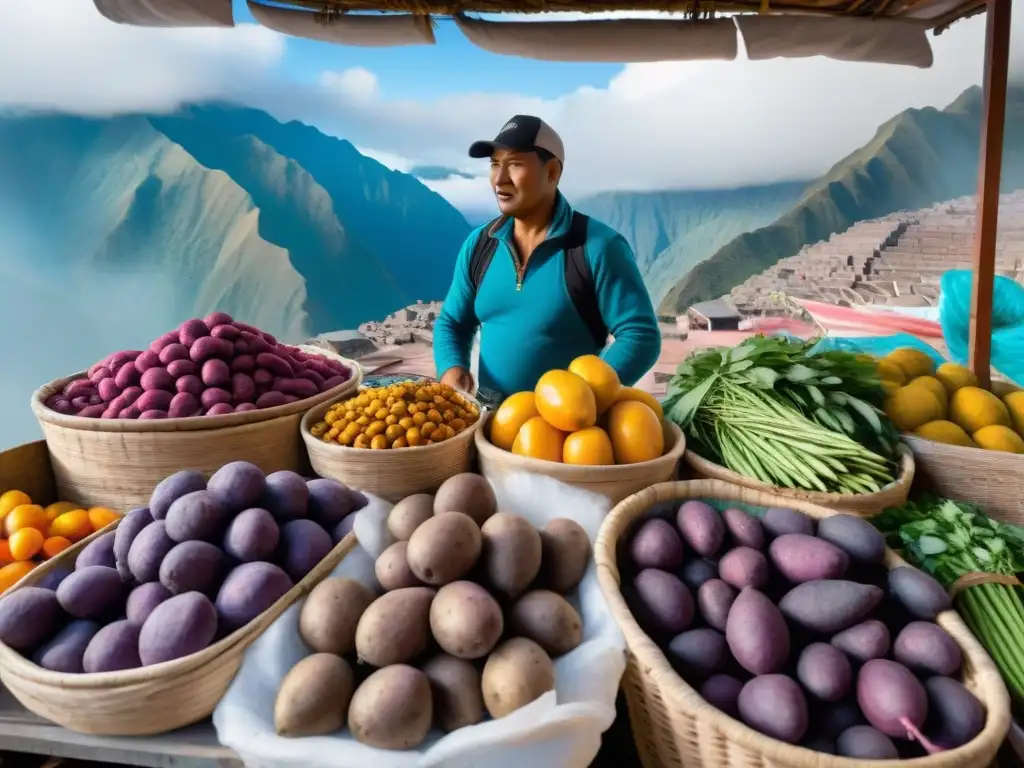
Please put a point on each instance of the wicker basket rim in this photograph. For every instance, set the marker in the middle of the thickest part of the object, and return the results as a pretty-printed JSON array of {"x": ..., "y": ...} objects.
[
  {"x": 13, "y": 662},
  {"x": 972, "y": 453},
  {"x": 907, "y": 469},
  {"x": 652, "y": 660},
  {"x": 585, "y": 472},
  {"x": 339, "y": 451},
  {"x": 191, "y": 423}
]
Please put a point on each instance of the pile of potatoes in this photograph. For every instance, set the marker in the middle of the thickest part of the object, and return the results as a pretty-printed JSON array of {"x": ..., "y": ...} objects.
[
  {"x": 472, "y": 614},
  {"x": 202, "y": 560},
  {"x": 799, "y": 630}
]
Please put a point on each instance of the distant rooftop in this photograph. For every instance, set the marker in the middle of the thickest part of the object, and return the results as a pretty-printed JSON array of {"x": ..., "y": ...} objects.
[{"x": 715, "y": 309}]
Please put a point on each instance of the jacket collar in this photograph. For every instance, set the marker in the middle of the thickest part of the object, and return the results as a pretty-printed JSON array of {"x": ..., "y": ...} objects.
[{"x": 502, "y": 228}]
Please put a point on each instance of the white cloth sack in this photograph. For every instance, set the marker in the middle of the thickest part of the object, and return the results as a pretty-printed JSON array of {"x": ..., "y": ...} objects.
[
  {"x": 368, "y": 30},
  {"x": 168, "y": 13},
  {"x": 562, "y": 728}
]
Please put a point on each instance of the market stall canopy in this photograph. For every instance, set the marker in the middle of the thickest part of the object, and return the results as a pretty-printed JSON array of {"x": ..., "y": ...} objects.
[{"x": 883, "y": 31}]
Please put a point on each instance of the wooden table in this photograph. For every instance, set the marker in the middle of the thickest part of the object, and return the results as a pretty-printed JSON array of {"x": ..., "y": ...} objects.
[{"x": 192, "y": 747}]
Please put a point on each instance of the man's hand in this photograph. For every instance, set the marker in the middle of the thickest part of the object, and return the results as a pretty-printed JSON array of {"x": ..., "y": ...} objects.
[{"x": 459, "y": 378}]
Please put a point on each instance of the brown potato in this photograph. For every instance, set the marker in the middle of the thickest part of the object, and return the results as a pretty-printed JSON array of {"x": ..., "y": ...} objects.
[
  {"x": 516, "y": 673},
  {"x": 408, "y": 514},
  {"x": 392, "y": 709},
  {"x": 392, "y": 568},
  {"x": 565, "y": 549},
  {"x": 548, "y": 619},
  {"x": 455, "y": 685},
  {"x": 314, "y": 696},
  {"x": 328, "y": 619},
  {"x": 395, "y": 629},
  {"x": 465, "y": 620},
  {"x": 511, "y": 553},
  {"x": 444, "y": 549},
  {"x": 468, "y": 493}
]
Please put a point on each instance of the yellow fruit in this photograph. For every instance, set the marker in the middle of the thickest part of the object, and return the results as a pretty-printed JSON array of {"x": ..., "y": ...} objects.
[
  {"x": 25, "y": 516},
  {"x": 934, "y": 386},
  {"x": 12, "y": 499},
  {"x": 25, "y": 543},
  {"x": 910, "y": 407},
  {"x": 914, "y": 362},
  {"x": 515, "y": 411},
  {"x": 1014, "y": 402},
  {"x": 101, "y": 517},
  {"x": 566, "y": 401},
  {"x": 638, "y": 395},
  {"x": 602, "y": 378},
  {"x": 945, "y": 432},
  {"x": 590, "y": 446},
  {"x": 73, "y": 525},
  {"x": 999, "y": 438},
  {"x": 13, "y": 573},
  {"x": 890, "y": 386},
  {"x": 954, "y": 376},
  {"x": 539, "y": 440},
  {"x": 973, "y": 408},
  {"x": 59, "y": 508},
  {"x": 891, "y": 372},
  {"x": 636, "y": 432}
]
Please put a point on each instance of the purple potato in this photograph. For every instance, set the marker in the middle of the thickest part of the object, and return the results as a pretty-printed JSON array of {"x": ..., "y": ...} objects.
[
  {"x": 253, "y": 535},
  {"x": 723, "y": 692},
  {"x": 54, "y": 577},
  {"x": 239, "y": 484},
  {"x": 699, "y": 651},
  {"x": 147, "y": 552},
  {"x": 863, "y": 642},
  {"x": 178, "y": 627},
  {"x": 697, "y": 571},
  {"x": 303, "y": 545},
  {"x": 657, "y": 544},
  {"x": 926, "y": 647},
  {"x": 330, "y": 501},
  {"x": 892, "y": 699},
  {"x": 344, "y": 528},
  {"x": 866, "y": 743},
  {"x": 831, "y": 605},
  {"x": 757, "y": 633},
  {"x": 91, "y": 592},
  {"x": 172, "y": 488},
  {"x": 714, "y": 601},
  {"x": 115, "y": 647},
  {"x": 64, "y": 651},
  {"x": 919, "y": 593},
  {"x": 799, "y": 558},
  {"x": 666, "y": 603},
  {"x": 779, "y": 521},
  {"x": 286, "y": 496},
  {"x": 701, "y": 526},
  {"x": 855, "y": 536},
  {"x": 99, "y": 551},
  {"x": 129, "y": 527},
  {"x": 744, "y": 567},
  {"x": 955, "y": 716},
  {"x": 745, "y": 529},
  {"x": 775, "y": 706},
  {"x": 28, "y": 617},
  {"x": 197, "y": 516},
  {"x": 249, "y": 590},
  {"x": 143, "y": 599},
  {"x": 193, "y": 566},
  {"x": 825, "y": 672}
]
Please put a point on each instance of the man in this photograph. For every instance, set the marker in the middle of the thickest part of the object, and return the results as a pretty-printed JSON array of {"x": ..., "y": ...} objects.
[{"x": 543, "y": 283}]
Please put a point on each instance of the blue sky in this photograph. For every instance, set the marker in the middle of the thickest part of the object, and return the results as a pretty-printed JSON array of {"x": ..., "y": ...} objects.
[{"x": 654, "y": 126}]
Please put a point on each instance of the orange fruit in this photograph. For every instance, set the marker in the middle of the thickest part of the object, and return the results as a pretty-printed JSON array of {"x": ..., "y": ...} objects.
[
  {"x": 515, "y": 411},
  {"x": 13, "y": 573},
  {"x": 6, "y": 558},
  {"x": 55, "y": 545},
  {"x": 590, "y": 446},
  {"x": 101, "y": 517},
  {"x": 539, "y": 440},
  {"x": 25, "y": 516},
  {"x": 25, "y": 543},
  {"x": 11, "y": 499},
  {"x": 638, "y": 395},
  {"x": 59, "y": 508},
  {"x": 636, "y": 432},
  {"x": 601, "y": 377},
  {"x": 73, "y": 525},
  {"x": 566, "y": 401}
]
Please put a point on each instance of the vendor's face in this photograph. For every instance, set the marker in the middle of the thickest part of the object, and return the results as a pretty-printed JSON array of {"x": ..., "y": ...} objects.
[{"x": 521, "y": 182}]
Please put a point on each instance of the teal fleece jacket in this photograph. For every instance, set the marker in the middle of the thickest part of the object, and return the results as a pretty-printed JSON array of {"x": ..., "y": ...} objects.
[{"x": 525, "y": 333}]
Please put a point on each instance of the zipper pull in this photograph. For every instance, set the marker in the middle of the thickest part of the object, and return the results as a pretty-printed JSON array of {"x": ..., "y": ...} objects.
[{"x": 519, "y": 285}]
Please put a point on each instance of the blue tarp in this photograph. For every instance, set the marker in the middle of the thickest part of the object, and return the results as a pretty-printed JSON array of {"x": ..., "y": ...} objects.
[
  {"x": 879, "y": 346},
  {"x": 1007, "y": 321}
]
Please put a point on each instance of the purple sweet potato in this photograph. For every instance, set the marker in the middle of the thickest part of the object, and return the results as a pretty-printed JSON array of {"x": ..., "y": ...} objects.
[
  {"x": 239, "y": 484},
  {"x": 129, "y": 527},
  {"x": 287, "y": 495},
  {"x": 147, "y": 552},
  {"x": 699, "y": 651},
  {"x": 757, "y": 633},
  {"x": 865, "y": 743},
  {"x": 189, "y": 383},
  {"x": 714, "y": 600},
  {"x": 657, "y": 544},
  {"x": 778, "y": 521},
  {"x": 243, "y": 364},
  {"x": 191, "y": 331},
  {"x": 225, "y": 331},
  {"x": 775, "y": 706},
  {"x": 697, "y": 571},
  {"x": 215, "y": 373},
  {"x": 171, "y": 337},
  {"x": 263, "y": 377},
  {"x": 91, "y": 592},
  {"x": 863, "y": 642},
  {"x": 178, "y": 627},
  {"x": 799, "y": 558},
  {"x": 927, "y": 647},
  {"x": 744, "y": 567},
  {"x": 157, "y": 377},
  {"x": 214, "y": 395},
  {"x": 722, "y": 692},
  {"x": 245, "y": 407},
  {"x": 77, "y": 388},
  {"x": 892, "y": 699},
  {"x": 99, "y": 551},
  {"x": 248, "y": 591},
  {"x": 193, "y": 566},
  {"x": 275, "y": 364},
  {"x": 215, "y": 319},
  {"x": 131, "y": 412},
  {"x": 108, "y": 390},
  {"x": 54, "y": 577},
  {"x": 831, "y": 605},
  {"x": 198, "y": 516},
  {"x": 331, "y": 501},
  {"x": 114, "y": 647},
  {"x": 28, "y": 617},
  {"x": 208, "y": 347},
  {"x": 919, "y": 593},
  {"x": 855, "y": 536},
  {"x": 272, "y": 399},
  {"x": 304, "y": 543},
  {"x": 220, "y": 409},
  {"x": 824, "y": 671},
  {"x": 173, "y": 352},
  {"x": 955, "y": 716},
  {"x": 127, "y": 375},
  {"x": 252, "y": 535},
  {"x": 154, "y": 413},
  {"x": 100, "y": 374},
  {"x": 184, "y": 404},
  {"x": 154, "y": 400},
  {"x": 172, "y": 488},
  {"x": 666, "y": 604},
  {"x": 701, "y": 526},
  {"x": 180, "y": 368},
  {"x": 143, "y": 599},
  {"x": 64, "y": 651},
  {"x": 243, "y": 388}
]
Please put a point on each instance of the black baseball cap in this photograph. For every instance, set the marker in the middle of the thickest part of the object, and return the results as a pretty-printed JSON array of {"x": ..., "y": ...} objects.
[{"x": 522, "y": 133}]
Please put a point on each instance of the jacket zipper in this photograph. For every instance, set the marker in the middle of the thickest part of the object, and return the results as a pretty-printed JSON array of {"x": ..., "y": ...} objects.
[{"x": 520, "y": 267}]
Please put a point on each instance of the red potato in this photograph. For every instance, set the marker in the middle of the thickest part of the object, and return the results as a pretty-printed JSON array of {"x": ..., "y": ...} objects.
[
  {"x": 225, "y": 331},
  {"x": 244, "y": 407},
  {"x": 127, "y": 375},
  {"x": 256, "y": 343},
  {"x": 190, "y": 384},
  {"x": 78, "y": 387},
  {"x": 241, "y": 347},
  {"x": 316, "y": 378},
  {"x": 291, "y": 399},
  {"x": 80, "y": 402},
  {"x": 243, "y": 364},
  {"x": 171, "y": 352},
  {"x": 220, "y": 409},
  {"x": 163, "y": 342},
  {"x": 215, "y": 373},
  {"x": 300, "y": 388},
  {"x": 334, "y": 381},
  {"x": 263, "y": 377},
  {"x": 153, "y": 414},
  {"x": 108, "y": 389},
  {"x": 131, "y": 412},
  {"x": 147, "y": 360},
  {"x": 64, "y": 406},
  {"x": 183, "y": 405},
  {"x": 154, "y": 400},
  {"x": 214, "y": 319},
  {"x": 275, "y": 364},
  {"x": 179, "y": 368},
  {"x": 96, "y": 375},
  {"x": 893, "y": 700},
  {"x": 214, "y": 395},
  {"x": 243, "y": 388},
  {"x": 191, "y": 331},
  {"x": 93, "y": 411},
  {"x": 205, "y": 348},
  {"x": 157, "y": 378}
]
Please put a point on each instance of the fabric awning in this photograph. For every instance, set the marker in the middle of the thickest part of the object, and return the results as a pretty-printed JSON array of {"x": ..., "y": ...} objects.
[
  {"x": 167, "y": 13},
  {"x": 377, "y": 30}
]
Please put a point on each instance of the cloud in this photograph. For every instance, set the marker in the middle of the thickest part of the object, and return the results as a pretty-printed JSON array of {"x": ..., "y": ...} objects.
[{"x": 63, "y": 54}]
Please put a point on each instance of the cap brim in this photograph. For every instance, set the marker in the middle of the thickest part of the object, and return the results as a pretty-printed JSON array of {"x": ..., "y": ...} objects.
[{"x": 481, "y": 149}]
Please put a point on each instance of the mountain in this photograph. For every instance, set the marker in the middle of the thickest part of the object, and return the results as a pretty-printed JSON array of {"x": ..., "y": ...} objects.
[
  {"x": 671, "y": 232},
  {"x": 918, "y": 158},
  {"x": 437, "y": 173},
  {"x": 114, "y": 230}
]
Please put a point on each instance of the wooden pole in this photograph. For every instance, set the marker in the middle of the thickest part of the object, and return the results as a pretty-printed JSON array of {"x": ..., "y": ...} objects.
[{"x": 990, "y": 160}]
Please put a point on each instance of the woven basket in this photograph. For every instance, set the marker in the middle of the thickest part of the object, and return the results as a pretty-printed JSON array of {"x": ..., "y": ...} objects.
[
  {"x": 674, "y": 727},
  {"x": 148, "y": 700},
  {"x": 390, "y": 474},
  {"x": 866, "y": 504},
  {"x": 991, "y": 479},
  {"x": 616, "y": 482},
  {"x": 117, "y": 462}
]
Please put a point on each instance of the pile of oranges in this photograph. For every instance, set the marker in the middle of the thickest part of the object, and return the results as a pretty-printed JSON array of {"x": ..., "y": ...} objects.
[
  {"x": 582, "y": 415},
  {"x": 31, "y": 533}
]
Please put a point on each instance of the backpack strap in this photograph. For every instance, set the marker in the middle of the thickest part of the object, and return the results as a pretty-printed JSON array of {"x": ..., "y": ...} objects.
[
  {"x": 580, "y": 282},
  {"x": 483, "y": 251}
]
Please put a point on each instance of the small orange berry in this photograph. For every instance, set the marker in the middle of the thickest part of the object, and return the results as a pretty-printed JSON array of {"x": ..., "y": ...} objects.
[
  {"x": 13, "y": 573},
  {"x": 55, "y": 545},
  {"x": 56, "y": 510},
  {"x": 25, "y": 543},
  {"x": 25, "y": 516},
  {"x": 6, "y": 558},
  {"x": 101, "y": 517}
]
